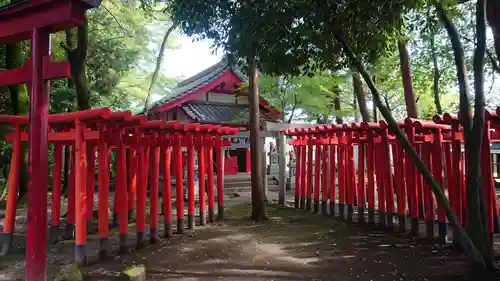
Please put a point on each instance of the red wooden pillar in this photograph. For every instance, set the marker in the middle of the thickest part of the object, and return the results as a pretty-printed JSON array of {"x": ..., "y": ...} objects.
[
  {"x": 36, "y": 237},
  {"x": 410, "y": 180},
  {"x": 370, "y": 173},
  {"x": 248, "y": 164},
  {"x": 456, "y": 164},
  {"x": 379, "y": 172},
  {"x": 190, "y": 179},
  {"x": 350, "y": 180},
  {"x": 341, "y": 174},
  {"x": 103, "y": 193},
  {"x": 167, "y": 188},
  {"x": 121, "y": 193},
  {"x": 210, "y": 180},
  {"x": 333, "y": 180},
  {"x": 154, "y": 188},
  {"x": 437, "y": 169},
  {"x": 90, "y": 184},
  {"x": 201, "y": 177},
  {"x": 219, "y": 157},
  {"x": 428, "y": 195},
  {"x": 310, "y": 147},
  {"x": 298, "y": 165},
  {"x": 142, "y": 170},
  {"x": 399, "y": 174},
  {"x": 419, "y": 181},
  {"x": 361, "y": 181},
  {"x": 387, "y": 176},
  {"x": 179, "y": 191},
  {"x": 56, "y": 193},
  {"x": 449, "y": 174},
  {"x": 14, "y": 177},
  {"x": 132, "y": 179},
  {"x": 491, "y": 206},
  {"x": 70, "y": 217},
  {"x": 303, "y": 172},
  {"x": 324, "y": 178},
  {"x": 81, "y": 195},
  {"x": 317, "y": 173}
]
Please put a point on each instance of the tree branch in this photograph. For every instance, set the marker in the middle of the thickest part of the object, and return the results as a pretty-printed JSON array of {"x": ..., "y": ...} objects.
[
  {"x": 491, "y": 57},
  {"x": 159, "y": 60},
  {"x": 458, "y": 52}
]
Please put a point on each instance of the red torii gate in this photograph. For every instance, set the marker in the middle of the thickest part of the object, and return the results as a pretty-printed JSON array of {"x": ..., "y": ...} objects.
[
  {"x": 35, "y": 20},
  {"x": 86, "y": 130},
  {"x": 391, "y": 189}
]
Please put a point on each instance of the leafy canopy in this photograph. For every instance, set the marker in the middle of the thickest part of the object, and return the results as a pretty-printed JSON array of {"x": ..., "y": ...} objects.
[{"x": 293, "y": 37}]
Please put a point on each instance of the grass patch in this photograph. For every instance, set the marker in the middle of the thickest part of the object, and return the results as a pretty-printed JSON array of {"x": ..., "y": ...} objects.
[{"x": 287, "y": 224}]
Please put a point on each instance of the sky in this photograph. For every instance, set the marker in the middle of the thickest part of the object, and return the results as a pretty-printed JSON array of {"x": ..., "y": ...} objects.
[{"x": 190, "y": 58}]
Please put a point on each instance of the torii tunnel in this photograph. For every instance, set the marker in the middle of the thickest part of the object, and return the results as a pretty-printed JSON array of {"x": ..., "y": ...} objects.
[
  {"x": 145, "y": 151},
  {"x": 361, "y": 172}
]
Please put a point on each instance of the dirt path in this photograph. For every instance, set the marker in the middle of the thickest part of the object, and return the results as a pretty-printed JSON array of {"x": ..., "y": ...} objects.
[{"x": 293, "y": 245}]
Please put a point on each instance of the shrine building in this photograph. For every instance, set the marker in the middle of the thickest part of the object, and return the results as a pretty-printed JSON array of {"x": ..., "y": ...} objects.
[{"x": 210, "y": 97}]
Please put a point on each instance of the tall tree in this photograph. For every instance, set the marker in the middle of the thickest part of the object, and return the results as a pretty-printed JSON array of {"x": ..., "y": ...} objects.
[
  {"x": 404, "y": 58},
  {"x": 357, "y": 85},
  {"x": 258, "y": 210}
]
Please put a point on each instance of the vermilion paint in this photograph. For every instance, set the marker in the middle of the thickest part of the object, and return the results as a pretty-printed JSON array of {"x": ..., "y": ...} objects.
[
  {"x": 167, "y": 190},
  {"x": 309, "y": 173},
  {"x": 219, "y": 157},
  {"x": 154, "y": 189},
  {"x": 55, "y": 219},
  {"x": 303, "y": 173},
  {"x": 298, "y": 171},
  {"x": 317, "y": 175},
  {"x": 81, "y": 194},
  {"x": 179, "y": 192},
  {"x": 361, "y": 181},
  {"x": 190, "y": 180},
  {"x": 103, "y": 192},
  {"x": 333, "y": 180},
  {"x": 14, "y": 177},
  {"x": 201, "y": 180},
  {"x": 324, "y": 179},
  {"x": 210, "y": 181},
  {"x": 90, "y": 182}
]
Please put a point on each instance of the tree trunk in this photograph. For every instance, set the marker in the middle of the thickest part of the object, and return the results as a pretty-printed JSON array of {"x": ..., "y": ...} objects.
[
  {"x": 360, "y": 96},
  {"x": 404, "y": 58},
  {"x": 337, "y": 106},
  {"x": 159, "y": 60},
  {"x": 436, "y": 75},
  {"x": 473, "y": 127},
  {"x": 76, "y": 58},
  {"x": 472, "y": 252},
  {"x": 474, "y": 180},
  {"x": 258, "y": 211},
  {"x": 493, "y": 16},
  {"x": 357, "y": 116},
  {"x": 292, "y": 114}
]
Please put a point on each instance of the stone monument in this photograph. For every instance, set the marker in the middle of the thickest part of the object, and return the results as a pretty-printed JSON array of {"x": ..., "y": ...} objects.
[
  {"x": 292, "y": 168},
  {"x": 273, "y": 168}
]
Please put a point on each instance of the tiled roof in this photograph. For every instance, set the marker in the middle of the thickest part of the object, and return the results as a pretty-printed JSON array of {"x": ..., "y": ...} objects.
[
  {"x": 210, "y": 112},
  {"x": 192, "y": 84}
]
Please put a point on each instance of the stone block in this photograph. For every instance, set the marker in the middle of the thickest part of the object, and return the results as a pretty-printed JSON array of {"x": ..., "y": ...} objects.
[{"x": 134, "y": 273}]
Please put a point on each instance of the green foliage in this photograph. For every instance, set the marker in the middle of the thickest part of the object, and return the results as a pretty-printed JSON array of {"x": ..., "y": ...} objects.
[
  {"x": 308, "y": 98},
  {"x": 300, "y": 36},
  {"x": 117, "y": 54}
]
